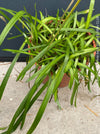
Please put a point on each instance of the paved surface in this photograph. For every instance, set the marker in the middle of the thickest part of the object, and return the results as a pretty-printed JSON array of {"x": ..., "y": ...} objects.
[{"x": 84, "y": 119}]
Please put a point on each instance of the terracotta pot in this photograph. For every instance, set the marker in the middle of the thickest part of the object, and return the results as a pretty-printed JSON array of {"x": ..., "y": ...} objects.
[{"x": 64, "y": 82}]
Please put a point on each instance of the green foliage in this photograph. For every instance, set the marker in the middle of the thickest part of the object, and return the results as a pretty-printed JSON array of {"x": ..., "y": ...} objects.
[{"x": 58, "y": 45}]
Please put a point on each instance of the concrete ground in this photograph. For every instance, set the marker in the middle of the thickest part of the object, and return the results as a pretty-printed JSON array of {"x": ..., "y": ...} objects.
[{"x": 84, "y": 119}]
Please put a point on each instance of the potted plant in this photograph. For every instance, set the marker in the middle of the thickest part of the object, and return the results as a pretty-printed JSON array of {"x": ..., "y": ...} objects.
[{"x": 57, "y": 46}]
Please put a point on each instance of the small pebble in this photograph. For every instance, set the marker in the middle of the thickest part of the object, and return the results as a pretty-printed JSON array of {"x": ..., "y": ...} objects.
[{"x": 11, "y": 99}]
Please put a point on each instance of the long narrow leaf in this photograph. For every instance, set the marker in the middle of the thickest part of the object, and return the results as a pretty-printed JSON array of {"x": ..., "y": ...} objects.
[
  {"x": 10, "y": 25},
  {"x": 5, "y": 80},
  {"x": 92, "y": 2},
  {"x": 74, "y": 89},
  {"x": 84, "y": 51}
]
